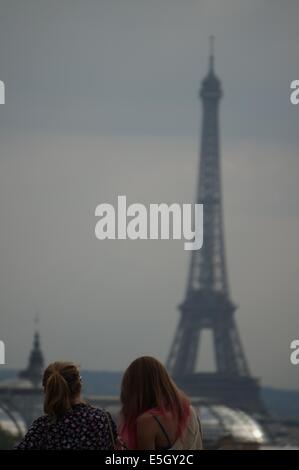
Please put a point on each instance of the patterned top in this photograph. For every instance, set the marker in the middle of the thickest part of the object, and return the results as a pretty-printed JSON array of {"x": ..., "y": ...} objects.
[{"x": 81, "y": 428}]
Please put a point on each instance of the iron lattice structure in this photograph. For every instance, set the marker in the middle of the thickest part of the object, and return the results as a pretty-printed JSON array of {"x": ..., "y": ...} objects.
[{"x": 207, "y": 304}]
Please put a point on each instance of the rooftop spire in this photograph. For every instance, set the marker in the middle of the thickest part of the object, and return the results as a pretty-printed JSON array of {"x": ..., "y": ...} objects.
[
  {"x": 34, "y": 370},
  {"x": 36, "y": 325}
]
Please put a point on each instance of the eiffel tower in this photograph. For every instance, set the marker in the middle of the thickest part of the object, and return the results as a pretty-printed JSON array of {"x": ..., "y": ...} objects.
[{"x": 207, "y": 303}]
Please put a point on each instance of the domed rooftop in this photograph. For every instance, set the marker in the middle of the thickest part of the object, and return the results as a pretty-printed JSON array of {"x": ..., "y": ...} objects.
[
  {"x": 16, "y": 383},
  {"x": 35, "y": 367},
  {"x": 31, "y": 377},
  {"x": 221, "y": 422}
]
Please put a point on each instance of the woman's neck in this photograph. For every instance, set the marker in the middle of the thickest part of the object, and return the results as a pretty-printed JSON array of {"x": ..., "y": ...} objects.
[{"x": 77, "y": 401}]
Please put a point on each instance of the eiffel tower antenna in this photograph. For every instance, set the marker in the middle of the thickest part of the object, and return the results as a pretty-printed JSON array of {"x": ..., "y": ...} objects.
[{"x": 212, "y": 53}]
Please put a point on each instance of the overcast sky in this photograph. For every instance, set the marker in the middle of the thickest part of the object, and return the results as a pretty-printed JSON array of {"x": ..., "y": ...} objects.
[{"x": 102, "y": 100}]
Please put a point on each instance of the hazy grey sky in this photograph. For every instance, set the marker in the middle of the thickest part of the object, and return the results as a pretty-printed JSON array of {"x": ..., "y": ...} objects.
[{"x": 101, "y": 100}]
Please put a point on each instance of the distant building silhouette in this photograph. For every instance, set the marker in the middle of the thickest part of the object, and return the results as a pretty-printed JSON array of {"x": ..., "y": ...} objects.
[
  {"x": 207, "y": 304},
  {"x": 34, "y": 370}
]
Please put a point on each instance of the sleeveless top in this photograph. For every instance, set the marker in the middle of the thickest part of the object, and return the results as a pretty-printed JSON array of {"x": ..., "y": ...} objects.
[{"x": 191, "y": 439}]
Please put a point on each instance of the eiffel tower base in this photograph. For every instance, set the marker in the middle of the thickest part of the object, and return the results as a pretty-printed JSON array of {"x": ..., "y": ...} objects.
[{"x": 217, "y": 388}]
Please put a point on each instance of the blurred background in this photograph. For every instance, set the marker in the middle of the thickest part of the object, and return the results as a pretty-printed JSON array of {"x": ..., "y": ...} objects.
[{"x": 102, "y": 100}]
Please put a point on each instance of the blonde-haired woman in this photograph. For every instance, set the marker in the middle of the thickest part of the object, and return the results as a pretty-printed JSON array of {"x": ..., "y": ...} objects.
[{"x": 68, "y": 422}]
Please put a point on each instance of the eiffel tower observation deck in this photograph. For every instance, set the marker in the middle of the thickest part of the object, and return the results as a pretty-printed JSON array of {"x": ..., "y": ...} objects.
[{"x": 208, "y": 303}]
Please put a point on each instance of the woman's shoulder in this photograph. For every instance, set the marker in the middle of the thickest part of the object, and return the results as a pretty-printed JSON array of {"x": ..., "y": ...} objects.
[
  {"x": 39, "y": 422},
  {"x": 99, "y": 413},
  {"x": 145, "y": 418},
  {"x": 194, "y": 413},
  {"x": 95, "y": 409}
]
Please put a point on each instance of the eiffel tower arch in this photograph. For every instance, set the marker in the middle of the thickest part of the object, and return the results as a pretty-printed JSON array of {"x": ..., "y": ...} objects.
[{"x": 207, "y": 303}]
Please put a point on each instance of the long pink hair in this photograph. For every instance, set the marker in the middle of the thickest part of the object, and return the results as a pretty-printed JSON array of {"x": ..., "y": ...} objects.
[{"x": 147, "y": 386}]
